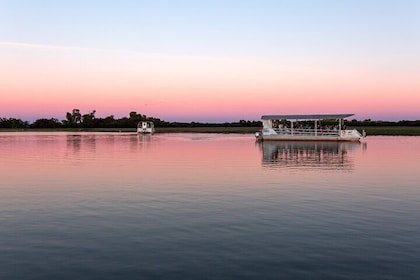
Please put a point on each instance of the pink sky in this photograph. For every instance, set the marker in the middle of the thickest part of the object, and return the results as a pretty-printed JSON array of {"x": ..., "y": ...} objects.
[
  {"x": 42, "y": 81},
  {"x": 210, "y": 60}
]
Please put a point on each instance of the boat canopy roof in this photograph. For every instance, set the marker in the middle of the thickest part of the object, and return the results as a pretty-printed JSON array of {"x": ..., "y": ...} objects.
[{"x": 306, "y": 117}]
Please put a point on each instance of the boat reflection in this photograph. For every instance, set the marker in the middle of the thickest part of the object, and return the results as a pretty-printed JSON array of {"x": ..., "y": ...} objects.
[
  {"x": 144, "y": 138},
  {"x": 308, "y": 155}
]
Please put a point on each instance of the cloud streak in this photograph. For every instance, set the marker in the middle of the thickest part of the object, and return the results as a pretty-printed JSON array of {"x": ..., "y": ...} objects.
[{"x": 7, "y": 44}]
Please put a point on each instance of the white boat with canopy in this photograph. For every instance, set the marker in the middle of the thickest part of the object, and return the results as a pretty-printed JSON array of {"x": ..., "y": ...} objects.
[
  {"x": 145, "y": 127},
  {"x": 320, "y": 127}
]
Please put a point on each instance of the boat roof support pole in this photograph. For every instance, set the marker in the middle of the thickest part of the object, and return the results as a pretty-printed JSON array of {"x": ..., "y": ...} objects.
[
  {"x": 291, "y": 126},
  {"x": 316, "y": 129}
]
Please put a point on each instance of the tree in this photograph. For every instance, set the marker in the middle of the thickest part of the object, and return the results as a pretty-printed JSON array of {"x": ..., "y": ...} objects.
[
  {"x": 88, "y": 120},
  {"x": 109, "y": 121},
  {"x": 16, "y": 123},
  {"x": 12, "y": 123},
  {"x": 134, "y": 118},
  {"x": 73, "y": 119},
  {"x": 46, "y": 123}
]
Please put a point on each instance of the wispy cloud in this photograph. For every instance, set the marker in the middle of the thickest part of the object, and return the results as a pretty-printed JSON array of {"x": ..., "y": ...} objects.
[
  {"x": 144, "y": 54},
  {"x": 39, "y": 46}
]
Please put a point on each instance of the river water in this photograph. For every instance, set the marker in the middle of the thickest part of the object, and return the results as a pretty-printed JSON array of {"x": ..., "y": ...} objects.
[{"x": 207, "y": 206}]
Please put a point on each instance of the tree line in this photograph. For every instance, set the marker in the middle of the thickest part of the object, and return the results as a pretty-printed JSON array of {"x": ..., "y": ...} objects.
[
  {"x": 369, "y": 122},
  {"x": 75, "y": 119}
]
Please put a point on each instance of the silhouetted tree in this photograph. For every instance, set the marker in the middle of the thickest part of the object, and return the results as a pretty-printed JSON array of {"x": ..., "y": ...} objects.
[
  {"x": 73, "y": 119},
  {"x": 13, "y": 123},
  {"x": 88, "y": 120},
  {"x": 46, "y": 123}
]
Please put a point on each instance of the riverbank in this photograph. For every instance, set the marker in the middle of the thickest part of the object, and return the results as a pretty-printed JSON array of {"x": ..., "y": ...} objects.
[
  {"x": 370, "y": 130},
  {"x": 391, "y": 130}
]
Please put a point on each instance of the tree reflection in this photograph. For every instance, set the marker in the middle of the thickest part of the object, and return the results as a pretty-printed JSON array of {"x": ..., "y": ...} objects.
[{"x": 77, "y": 142}]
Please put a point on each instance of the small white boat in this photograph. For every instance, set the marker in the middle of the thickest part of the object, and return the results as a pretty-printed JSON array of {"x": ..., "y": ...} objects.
[
  {"x": 146, "y": 127},
  {"x": 325, "y": 127}
]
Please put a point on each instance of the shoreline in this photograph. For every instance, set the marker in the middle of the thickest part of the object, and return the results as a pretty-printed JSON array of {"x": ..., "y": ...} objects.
[{"x": 370, "y": 130}]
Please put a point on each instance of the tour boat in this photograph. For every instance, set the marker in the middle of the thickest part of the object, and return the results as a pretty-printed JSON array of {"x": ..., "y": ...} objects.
[
  {"x": 321, "y": 127},
  {"x": 145, "y": 127}
]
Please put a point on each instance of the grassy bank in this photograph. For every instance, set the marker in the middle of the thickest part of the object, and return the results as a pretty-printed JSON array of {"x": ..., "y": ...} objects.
[
  {"x": 391, "y": 130},
  {"x": 207, "y": 129},
  {"x": 158, "y": 130},
  {"x": 370, "y": 130}
]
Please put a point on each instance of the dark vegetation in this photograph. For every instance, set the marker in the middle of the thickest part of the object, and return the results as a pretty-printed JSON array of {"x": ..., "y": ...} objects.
[{"x": 76, "y": 120}]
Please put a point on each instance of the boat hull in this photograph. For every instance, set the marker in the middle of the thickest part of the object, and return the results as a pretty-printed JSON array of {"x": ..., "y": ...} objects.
[
  {"x": 305, "y": 138},
  {"x": 345, "y": 135},
  {"x": 146, "y": 130}
]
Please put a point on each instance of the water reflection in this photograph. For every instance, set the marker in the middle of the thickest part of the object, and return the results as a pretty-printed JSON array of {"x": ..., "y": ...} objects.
[
  {"x": 180, "y": 206},
  {"x": 144, "y": 139},
  {"x": 74, "y": 143},
  {"x": 319, "y": 155},
  {"x": 97, "y": 144}
]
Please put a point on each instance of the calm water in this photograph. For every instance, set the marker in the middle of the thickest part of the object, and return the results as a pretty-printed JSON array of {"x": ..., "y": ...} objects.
[{"x": 207, "y": 206}]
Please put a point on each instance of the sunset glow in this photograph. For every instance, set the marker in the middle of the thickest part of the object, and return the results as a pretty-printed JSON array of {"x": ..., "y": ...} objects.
[{"x": 218, "y": 61}]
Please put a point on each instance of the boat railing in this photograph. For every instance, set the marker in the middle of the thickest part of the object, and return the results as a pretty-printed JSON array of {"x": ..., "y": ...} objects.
[{"x": 307, "y": 131}]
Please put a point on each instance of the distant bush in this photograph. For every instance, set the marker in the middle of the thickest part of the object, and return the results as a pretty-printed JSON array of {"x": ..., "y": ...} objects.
[
  {"x": 46, "y": 123},
  {"x": 76, "y": 119},
  {"x": 13, "y": 123}
]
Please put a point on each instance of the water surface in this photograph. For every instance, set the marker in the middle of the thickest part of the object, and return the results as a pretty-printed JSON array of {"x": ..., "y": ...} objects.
[{"x": 207, "y": 206}]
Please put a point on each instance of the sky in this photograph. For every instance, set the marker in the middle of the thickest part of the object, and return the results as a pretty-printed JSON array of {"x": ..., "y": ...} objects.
[{"x": 210, "y": 61}]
